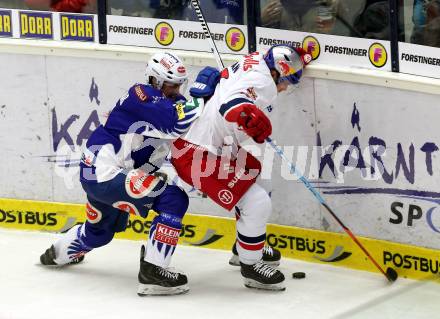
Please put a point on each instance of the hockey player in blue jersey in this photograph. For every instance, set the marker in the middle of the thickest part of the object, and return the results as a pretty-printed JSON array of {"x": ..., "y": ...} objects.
[{"x": 119, "y": 175}]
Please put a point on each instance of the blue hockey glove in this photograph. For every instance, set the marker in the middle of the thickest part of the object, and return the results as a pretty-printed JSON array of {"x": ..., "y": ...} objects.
[{"x": 205, "y": 83}]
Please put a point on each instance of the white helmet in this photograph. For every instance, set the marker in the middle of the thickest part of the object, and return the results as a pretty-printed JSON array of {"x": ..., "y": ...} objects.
[{"x": 166, "y": 67}]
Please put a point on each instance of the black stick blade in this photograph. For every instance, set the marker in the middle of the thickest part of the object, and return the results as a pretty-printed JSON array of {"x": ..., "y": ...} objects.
[{"x": 391, "y": 274}]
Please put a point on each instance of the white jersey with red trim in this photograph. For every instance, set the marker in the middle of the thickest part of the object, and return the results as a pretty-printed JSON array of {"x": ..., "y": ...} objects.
[{"x": 247, "y": 81}]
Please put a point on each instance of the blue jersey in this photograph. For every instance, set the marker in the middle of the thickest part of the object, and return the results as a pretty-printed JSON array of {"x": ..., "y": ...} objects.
[{"x": 137, "y": 134}]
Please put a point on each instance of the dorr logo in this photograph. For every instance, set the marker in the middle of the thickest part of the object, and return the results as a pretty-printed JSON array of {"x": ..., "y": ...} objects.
[
  {"x": 5, "y": 23},
  {"x": 235, "y": 39},
  {"x": 378, "y": 55},
  {"x": 77, "y": 27},
  {"x": 36, "y": 25},
  {"x": 312, "y": 46},
  {"x": 164, "y": 33}
]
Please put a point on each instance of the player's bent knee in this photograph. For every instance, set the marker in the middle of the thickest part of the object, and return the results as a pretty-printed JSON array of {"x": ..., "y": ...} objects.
[
  {"x": 256, "y": 201},
  {"x": 95, "y": 236},
  {"x": 173, "y": 200}
]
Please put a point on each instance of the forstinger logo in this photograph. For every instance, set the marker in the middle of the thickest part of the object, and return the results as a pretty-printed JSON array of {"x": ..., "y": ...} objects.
[
  {"x": 164, "y": 33},
  {"x": 235, "y": 39},
  {"x": 312, "y": 46},
  {"x": 378, "y": 55}
]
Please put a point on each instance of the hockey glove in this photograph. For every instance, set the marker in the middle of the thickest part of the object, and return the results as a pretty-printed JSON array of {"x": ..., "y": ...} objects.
[
  {"x": 306, "y": 57},
  {"x": 205, "y": 83},
  {"x": 252, "y": 121}
]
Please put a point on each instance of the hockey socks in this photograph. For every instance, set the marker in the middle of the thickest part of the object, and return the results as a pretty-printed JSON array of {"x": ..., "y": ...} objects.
[{"x": 163, "y": 238}]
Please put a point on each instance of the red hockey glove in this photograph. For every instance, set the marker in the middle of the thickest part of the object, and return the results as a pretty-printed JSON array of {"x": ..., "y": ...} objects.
[
  {"x": 252, "y": 121},
  {"x": 306, "y": 57}
]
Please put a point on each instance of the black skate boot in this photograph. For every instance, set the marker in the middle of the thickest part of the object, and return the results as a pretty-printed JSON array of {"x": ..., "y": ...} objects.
[
  {"x": 262, "y": 276},
  {"x": 48, "y": 258},
  {"x": 271, "y": 256},
  {"x": 155, "y": 280}
]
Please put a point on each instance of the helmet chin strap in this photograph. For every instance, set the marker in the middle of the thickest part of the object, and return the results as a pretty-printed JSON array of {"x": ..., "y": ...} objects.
[
  {"x": 277, "y": 77},
  {"x": 153, "y": 82}
]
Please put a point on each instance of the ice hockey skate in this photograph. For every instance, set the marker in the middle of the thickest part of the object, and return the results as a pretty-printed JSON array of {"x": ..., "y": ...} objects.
[
  {"x": 156, "y": 281},
  {"x": 271, "y": 256},
  {"x": 262, "y": 276},
  {"x": 67, "y": 250},
  {"x": 49, "y": 256}
]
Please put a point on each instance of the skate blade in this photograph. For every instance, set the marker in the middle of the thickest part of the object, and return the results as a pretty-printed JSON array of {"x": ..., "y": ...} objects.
[
  {"x": 235, "y": 261},
  {"x": 55, "y": 266},
  {"x": 155, "y": 290},
  {"x": 250, "y": 283}
]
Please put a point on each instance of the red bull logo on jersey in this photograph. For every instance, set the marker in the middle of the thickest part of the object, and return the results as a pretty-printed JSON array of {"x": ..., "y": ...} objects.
[
  {"x": 5, "y": 23},
  {"x": 164, "y": 33},
  {"x": 36, "y": 25},
  {"x": 77, "y": 27},
  {"x": 312, "y": 46},
  {"x": 235, "y": 39},
  {"x": 378, "y": 55}
]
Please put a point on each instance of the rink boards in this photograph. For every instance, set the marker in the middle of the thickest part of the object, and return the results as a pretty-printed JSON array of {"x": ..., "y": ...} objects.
[{"x": 219, "y": 233}]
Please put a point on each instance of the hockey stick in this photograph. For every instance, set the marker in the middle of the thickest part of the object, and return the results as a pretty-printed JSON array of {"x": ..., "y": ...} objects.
[
  {"x": 390, "y": 273},
  {"x": 205, "y": 27}
]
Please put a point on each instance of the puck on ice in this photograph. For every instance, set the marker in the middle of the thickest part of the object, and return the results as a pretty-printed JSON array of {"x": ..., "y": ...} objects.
[{"x": 298, "y": 275}]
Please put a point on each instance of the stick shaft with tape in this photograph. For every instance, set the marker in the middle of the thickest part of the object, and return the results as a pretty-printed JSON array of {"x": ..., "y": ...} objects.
[{"x": 205, "y": 27}]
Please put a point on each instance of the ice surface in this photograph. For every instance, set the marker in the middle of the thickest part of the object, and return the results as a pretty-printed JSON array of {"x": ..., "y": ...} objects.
[{"x": 104, "y": 286}]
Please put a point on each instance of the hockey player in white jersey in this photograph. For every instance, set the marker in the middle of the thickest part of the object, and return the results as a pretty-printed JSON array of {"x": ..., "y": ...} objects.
[
  {"x": 209, "y": 156},
  {"x": 118, "y": 174}
]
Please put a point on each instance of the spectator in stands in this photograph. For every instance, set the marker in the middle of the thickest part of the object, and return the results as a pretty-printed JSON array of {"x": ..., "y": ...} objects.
[
  {"x": 432, "y": 33},
  {"x": 317, "y": 16},
  {"x": 347, "y": 12},
  {"x": 167, "y": 9},
  {"x": 426, "y": 16},
  {"x": 77, "y": 6},
  {"x": 299, "y": 15},
  {"x": 374, "y": 21},
  {"x": 12, "y": 4},
  {"x": 219, "y": 11}
]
